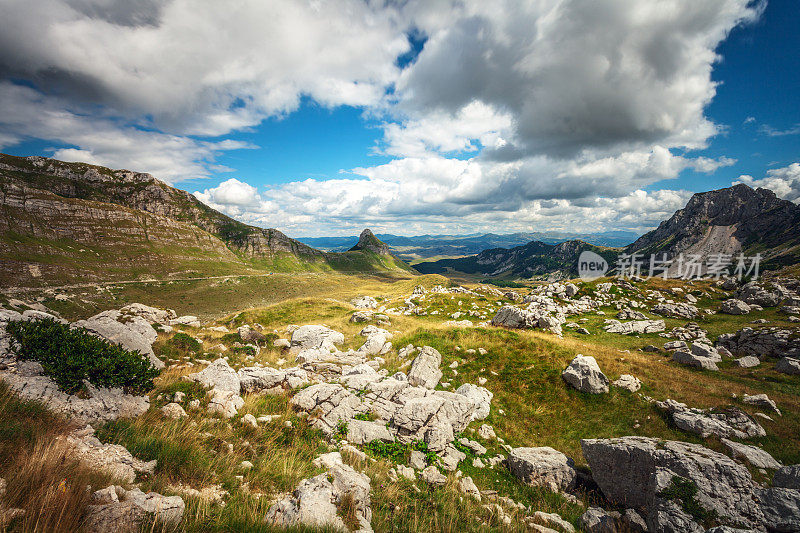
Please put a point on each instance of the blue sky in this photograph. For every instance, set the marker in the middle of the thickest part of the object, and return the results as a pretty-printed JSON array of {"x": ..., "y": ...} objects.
[
  {"x": 322, "y": 118},
  {"x": 759, "y": 78}
]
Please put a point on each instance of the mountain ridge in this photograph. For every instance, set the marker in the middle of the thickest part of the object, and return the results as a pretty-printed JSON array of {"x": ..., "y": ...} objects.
[
  {"x": 731, "y": 220},
  {"x": 533, "y": 259},
  {"x": 65, "y": 220}
]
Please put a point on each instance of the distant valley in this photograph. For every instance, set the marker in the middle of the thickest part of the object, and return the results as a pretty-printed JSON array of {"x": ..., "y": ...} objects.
[{"x": 427, "y": 246}]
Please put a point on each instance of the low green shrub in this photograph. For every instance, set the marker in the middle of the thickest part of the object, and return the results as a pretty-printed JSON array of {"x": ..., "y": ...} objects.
[
  {"x": 683, "y": 491},
  {"x": 398, "y": 451},
  {"x": 185, "y": 342},
  {"x": 72, "y": 355},
  {"x": 230, "y": 338},
  {"x": 246, "y": 350}
]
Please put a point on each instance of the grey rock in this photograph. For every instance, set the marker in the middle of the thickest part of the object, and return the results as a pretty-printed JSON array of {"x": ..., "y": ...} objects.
[
  {"x": 788, "y": 365},
  {"x": 432, "y": 476},
  {"x": 728, "y": 423},
  {"x": 690, "y": 359},
  {"x": 675, "y": 345},
  {"x": 360, "y": 317},
  {"x": 750, "y": 454},
  {"x": 628, "y": 382},
  {"x": 766, "y": 342},
  {"x": 480, "y": 397},
  {"x": 218, "y": 375},
  {"x": 787, "y": 477},
  {"x": 250, "y": 335},
  {"x": 597, "y": 520},
  {"x": 668, "y": 517},
  {"x": 224, "y": 402},
  {"x": 363, "y": 431},
  {"x": 173, "y": 410},
  {"x": 630, "y": 314},
  {"x": 112, "y": 459},
  {"x": 364, "y": 302},
  {"x": 781, "y": 508},
  {"x": 552, "y": 520},
  {"x": 476, "y": 447},
  {"x": 734, "y": 307},
  {"x": 584, "y": 374},
  {"x": 425, "y": 369},
  {"x": 435, "y": 418},
  {"x": 761, "y": 400},
  {"x": 702, "y": 349},
  {"x": 748, "y": 361},
  {"x": 633, "y": 522},
  {"x": 281, "y": 343},
  {"x": 634, "y": 327},
  {"x": 513, "y": 317},
  {"x": 679, "y": 310},
  {"x": 544, "y": 467},
  {"x": 633, "y": 471},
  {"x": 417, "y": 460},
  {"x": 97, "y": 405},
  {"x": 486, "y": 432},
  {"x": 151, "y": 314},
  {"x": 468, "y": 487},
  {"x": 753, "y": 293},
  {"x": 450, "y": 457},
  {"x": 314, "y": 502},
  {"x": 330, "y": 404},
  {"x": 254, "y": 379},
  {"x": 130, "y": 511},
  {"x": 134, "y": 334},
  {"x": 314, "y": 337}
]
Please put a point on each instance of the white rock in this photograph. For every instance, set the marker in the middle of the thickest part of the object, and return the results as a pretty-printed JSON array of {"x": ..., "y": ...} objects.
[
  {"x": 480, "y": 397},
  {"x": 584, "y": 374}
]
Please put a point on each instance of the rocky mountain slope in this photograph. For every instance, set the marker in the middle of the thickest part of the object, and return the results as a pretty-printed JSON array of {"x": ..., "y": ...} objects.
[
  {"x": 72, "y": 221},
  {"x": 729, "y": 221},
  {"x": 533, "y": 259}
]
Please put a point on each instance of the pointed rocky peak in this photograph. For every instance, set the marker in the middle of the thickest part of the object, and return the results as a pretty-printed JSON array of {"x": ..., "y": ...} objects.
[{"x": 367, "y": 241}]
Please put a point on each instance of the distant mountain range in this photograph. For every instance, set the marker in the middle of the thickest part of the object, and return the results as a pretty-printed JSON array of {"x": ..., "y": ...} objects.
[
  {"x": 535, "y": 259},
  {"x": 425, "y": 246},
  {"x": 725, "y": 222},
  {"x": 74, "y": 222}
]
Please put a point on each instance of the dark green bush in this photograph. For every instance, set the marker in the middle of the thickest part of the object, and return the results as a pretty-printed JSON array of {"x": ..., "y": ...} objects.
[
  {"x": 246, "y": 350},
  {"x": 71, "y": 355},
  {"x": 185, "y": 342}
]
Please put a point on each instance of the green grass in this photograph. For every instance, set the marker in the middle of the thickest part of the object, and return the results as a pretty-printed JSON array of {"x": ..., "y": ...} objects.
[{"x": 532, "y": 405}]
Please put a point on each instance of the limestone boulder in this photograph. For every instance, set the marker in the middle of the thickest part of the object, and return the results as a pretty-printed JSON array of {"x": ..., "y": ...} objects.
[
  {"x": 543, "y": 467},
  {"x": 635, "y": 472},
  {"x": 480, "y": 397},
  {"x": 425, "y": 370},
  {"x": 218, "y": 375},
  {"x": 584, "y": 374}
]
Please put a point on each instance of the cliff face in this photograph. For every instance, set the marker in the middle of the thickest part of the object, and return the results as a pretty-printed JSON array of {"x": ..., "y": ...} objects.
[
  {"x": 732, "y": 220},
  {"x": 143, "y": 192}
]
